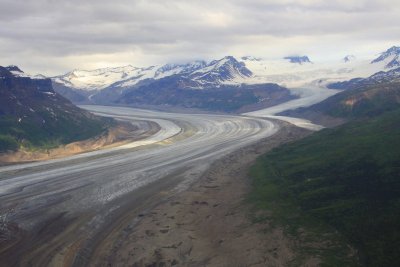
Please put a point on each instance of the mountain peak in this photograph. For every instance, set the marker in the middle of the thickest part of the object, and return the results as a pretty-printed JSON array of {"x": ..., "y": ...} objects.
[
  {"x": 171, "y": 68},
  {"x": 101, "y": 78},
  {"x": 349, "y": 58},
  {"x": 224, "y": 60},
  {"x": 230, "y": 58},
  {"x": 17, "y": 72},
  {"x": 239, "y": 67},
  {"x": 5, "y": 72},
  {"x": 394, "y": 49},
  {"x": 14, "y": 68},
  {"x": 298, "y": 59},
  {"x": 391, "y": 57},
  {"x": 224, "y": 70}
]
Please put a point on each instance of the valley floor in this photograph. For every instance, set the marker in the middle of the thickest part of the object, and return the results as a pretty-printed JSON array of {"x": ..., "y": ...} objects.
[
  {"x": 78, "y": 211},
  {"x": 209, "y": 224},
  {"x": 78, "y": 218}
]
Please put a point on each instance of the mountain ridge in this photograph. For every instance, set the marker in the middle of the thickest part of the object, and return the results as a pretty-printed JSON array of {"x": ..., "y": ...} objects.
[
  {"x": 359, "y": 98},
  {"x": 391, "y": 57},
  {"x": 109, "y": 85},
  {"x": 127, "y": 76},
  {"x": 298, "y": 59},
  {"x": 33, "y": 115},
  {"x": 262, "y": 71}
]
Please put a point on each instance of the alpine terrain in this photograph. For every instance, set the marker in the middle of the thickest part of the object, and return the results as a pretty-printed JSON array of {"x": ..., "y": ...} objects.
[{"x": 33, "y": 115}]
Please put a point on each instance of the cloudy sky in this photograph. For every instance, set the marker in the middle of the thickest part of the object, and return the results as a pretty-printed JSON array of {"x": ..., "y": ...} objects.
[{"x": 55, "y": 36}]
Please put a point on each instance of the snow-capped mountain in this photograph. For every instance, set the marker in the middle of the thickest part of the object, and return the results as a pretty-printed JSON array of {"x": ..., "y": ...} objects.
[
  {"x": 224, "y": 84},
  {"x": 292, "y": 72},
  {"x": 225, "y": 70},
  {"x": 109, "y": 84},
  {"x": 383, "y": 76},
  {"x": 250, "y": 81},
  {"x": 391, "y": 76},
  {"x": 349, "y": 58},
  {"x": 298, "y": 59},
  {"x": 390, "y": 57},
  {"x": 159, "y": 72},
  {"x": 295, "y": 75},
  {"x": 17, "y": 72},
  {"x": 172, "y": 69},
  {"x": 101, "y": 78}
]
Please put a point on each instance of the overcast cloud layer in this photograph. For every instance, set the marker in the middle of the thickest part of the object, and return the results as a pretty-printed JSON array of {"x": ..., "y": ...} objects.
[{"x": 53, "y": 37}]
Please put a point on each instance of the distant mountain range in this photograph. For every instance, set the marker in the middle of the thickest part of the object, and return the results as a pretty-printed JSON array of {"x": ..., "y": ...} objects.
[
  {"x": 228, "y": 70},
  {"x": 33, "y": 115},
  {"x": 192, "y": 84},
  {"x": 378, "y": 78},
  {"x": 218, "y": 72},
  {"x": 219, "y": 85}
]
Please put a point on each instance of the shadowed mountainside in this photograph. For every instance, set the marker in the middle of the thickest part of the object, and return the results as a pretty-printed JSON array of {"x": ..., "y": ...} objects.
[{"x": 33, "y": 115}]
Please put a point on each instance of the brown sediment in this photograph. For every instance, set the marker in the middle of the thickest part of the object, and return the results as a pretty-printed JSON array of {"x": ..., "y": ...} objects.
[
  {"x": 206, "y": 225},
  {"x": 115, "y": 136},
  {"x": 209, "y": 224}
]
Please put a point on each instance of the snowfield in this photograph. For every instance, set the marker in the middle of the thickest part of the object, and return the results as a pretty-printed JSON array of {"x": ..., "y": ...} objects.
[{"x": 227, "y": 71}]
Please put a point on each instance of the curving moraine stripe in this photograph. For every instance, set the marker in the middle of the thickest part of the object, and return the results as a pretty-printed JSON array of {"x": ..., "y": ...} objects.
[{"x": 96, "y": 183}]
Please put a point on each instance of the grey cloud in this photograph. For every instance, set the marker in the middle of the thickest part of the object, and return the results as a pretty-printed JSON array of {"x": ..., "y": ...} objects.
[{"x": 49, "y": 31}]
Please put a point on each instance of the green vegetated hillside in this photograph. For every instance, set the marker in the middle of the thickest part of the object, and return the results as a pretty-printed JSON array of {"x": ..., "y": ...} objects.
[
  {"x": 32, "y": 115},
  {"x": 359, "y": 100},
  {"x": 347, "y": 178}
]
